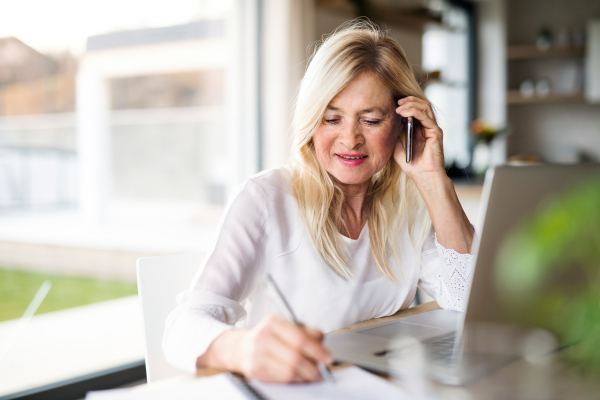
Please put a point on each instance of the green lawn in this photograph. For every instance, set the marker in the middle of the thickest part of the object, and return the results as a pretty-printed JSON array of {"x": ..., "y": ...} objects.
[{"x": 17, "y": 289}]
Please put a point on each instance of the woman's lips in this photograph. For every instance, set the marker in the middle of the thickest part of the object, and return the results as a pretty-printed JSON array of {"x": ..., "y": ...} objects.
[{"x": 351, "y": 160}]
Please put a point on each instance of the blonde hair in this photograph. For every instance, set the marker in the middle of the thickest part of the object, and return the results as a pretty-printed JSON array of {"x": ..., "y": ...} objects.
[{"x": 393, "y": 200}]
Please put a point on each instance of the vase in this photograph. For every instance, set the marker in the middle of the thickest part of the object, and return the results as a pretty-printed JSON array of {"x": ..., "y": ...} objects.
[{"x": 481, "y": 158}]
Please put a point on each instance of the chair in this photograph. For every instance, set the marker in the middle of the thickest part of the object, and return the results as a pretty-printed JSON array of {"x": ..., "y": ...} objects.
[{"x": 159, "y": 281}]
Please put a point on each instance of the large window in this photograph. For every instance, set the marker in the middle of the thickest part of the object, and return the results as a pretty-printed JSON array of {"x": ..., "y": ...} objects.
[
  {"x": 120, "y": 137},
  {"x": 177, "y": 117}
]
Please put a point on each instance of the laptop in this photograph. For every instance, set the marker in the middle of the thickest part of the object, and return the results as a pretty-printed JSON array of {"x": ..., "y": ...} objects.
[{"x": 510, "y": 194}]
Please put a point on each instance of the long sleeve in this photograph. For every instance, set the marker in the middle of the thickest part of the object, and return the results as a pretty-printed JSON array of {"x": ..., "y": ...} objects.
[
  {"x": 446, "y": 274},
  {"x": 227, "y": 276}
]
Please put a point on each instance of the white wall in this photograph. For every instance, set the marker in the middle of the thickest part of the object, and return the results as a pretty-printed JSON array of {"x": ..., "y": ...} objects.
[
  {"x": 491, "y": 71},
  {"x": 491, "y": 62},
  {"x": 288, "y": 30}
]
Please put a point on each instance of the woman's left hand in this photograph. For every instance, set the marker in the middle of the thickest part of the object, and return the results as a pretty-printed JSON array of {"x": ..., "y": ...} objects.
[
  {"x": 427, "y": 161},
  {"x": 426, "y": 168}
]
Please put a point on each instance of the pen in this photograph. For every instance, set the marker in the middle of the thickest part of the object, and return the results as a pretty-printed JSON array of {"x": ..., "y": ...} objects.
[{"x": 289, "y": 314}]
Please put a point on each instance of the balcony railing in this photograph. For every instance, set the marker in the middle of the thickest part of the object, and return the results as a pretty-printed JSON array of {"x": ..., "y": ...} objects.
[{"x": 33, "y": 178}]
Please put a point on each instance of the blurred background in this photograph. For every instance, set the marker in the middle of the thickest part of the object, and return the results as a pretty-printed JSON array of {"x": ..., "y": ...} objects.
[{"x": 125, "y": 125}]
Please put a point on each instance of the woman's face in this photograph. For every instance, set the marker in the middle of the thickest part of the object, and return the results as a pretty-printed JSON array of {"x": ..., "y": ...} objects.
[{"x": 358, "y": 133}]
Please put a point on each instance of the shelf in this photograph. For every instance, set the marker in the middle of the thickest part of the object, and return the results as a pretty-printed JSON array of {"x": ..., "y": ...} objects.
[
  {"x": 515, "y": 97},
  {"x": 411, "y": 18},
  {"x": 532, "y": 52}
]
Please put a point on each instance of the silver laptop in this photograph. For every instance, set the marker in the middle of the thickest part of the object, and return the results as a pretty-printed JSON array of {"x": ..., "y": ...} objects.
[{"x": 510, "y": 194}]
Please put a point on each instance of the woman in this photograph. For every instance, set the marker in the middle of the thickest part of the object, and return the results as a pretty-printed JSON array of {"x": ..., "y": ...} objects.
[{"x": 347, "y": 232}]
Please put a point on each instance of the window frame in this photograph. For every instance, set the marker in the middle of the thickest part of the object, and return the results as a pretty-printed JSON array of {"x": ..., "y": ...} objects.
[
  {"x": 76, "y": 388},
  {"x": 469, "y": 8}
]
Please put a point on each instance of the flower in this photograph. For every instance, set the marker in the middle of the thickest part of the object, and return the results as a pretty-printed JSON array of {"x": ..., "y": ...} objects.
[{"x": 483, "y": 131}]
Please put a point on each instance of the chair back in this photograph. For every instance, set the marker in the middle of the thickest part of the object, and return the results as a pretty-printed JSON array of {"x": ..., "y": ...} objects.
[{"x": 160, "y": 279}]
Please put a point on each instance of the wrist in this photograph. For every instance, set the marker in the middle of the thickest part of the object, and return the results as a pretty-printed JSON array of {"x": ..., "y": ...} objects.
[
  {"x": 223, "y": 351},
  {"x": 433, "y": 183},
  {"x": 438, "y": 194}
]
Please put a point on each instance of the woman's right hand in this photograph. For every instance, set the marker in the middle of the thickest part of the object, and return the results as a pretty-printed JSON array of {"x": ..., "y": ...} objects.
[{"x": 276, "y": 350}]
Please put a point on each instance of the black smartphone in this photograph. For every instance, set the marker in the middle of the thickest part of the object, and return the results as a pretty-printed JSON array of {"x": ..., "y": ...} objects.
[{"x": 409, "y": 138}]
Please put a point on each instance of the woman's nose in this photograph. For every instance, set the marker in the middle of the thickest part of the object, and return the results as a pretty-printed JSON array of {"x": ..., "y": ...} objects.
[{"x": 351, "y": 136}]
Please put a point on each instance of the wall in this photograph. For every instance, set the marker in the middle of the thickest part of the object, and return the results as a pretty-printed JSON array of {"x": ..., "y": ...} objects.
[
  {"x": 554, "y": 131},
  {"x": 491, "y": 65},
  {"x": 288, "y": 31}
]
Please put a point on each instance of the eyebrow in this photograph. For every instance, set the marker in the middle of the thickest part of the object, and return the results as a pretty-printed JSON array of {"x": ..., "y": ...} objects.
[{"x": 368, "y": 110}]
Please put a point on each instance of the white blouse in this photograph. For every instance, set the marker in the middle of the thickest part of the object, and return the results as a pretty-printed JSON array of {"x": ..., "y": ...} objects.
[{"x": 262, "y": 231}]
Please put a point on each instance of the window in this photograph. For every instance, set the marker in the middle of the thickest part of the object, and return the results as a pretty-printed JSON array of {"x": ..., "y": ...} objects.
[{"x": 121, "y": 136}]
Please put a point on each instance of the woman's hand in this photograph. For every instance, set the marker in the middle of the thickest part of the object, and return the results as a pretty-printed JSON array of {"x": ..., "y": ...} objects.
[
  {"x": 276, "y": 350},
  {"x": 452, "y": 227},
  {"x": 427, "y": 163}
]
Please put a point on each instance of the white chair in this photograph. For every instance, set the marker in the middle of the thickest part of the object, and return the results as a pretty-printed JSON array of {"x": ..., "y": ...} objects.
[{"x": 159, "y": 281}]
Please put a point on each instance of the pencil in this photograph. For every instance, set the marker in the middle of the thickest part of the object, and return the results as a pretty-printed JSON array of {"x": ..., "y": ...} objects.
[{"x": 289, "y": 314}]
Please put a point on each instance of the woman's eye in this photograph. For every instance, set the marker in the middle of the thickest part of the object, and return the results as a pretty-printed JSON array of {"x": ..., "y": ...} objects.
[
  {"x": 372, "y": 121},
  {"x": 332, "y": 121}
]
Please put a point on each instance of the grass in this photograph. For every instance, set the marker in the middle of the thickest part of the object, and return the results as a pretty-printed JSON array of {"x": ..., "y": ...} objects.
[{"x": 17, "y": 289}]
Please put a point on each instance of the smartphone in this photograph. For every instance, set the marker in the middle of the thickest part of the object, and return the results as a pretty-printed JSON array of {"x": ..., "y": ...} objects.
[{"x": 409, "y": 138}]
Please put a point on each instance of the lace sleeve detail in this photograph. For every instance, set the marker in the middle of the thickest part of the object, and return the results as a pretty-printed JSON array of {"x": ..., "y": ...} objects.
[
  {"x": 454, "y": 278},
  {"x": 446, "y": 275}
]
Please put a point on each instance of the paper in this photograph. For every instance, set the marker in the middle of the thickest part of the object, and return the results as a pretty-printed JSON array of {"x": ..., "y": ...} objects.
[
  {"x": 213, "y": 387},
  {"x": 350, "y": 384}
]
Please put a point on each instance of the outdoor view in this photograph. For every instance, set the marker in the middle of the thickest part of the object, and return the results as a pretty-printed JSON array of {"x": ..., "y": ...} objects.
[{"x": 160, "y": 192}]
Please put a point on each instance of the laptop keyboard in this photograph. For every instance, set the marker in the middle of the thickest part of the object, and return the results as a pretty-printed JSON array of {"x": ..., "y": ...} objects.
[{"x": 438, "y": 349}]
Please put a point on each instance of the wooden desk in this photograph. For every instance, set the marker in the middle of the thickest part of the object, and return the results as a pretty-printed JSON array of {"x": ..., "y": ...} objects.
[
  {"x": 519, "y": 380},
  {"x": 432, "y": 305},
  {"x": 400, "y": 314}
]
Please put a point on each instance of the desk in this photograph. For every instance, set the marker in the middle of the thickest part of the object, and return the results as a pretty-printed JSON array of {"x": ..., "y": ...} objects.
[
  {"x": 519, "y": 380},
  {"x": 400, "y": 314}
]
